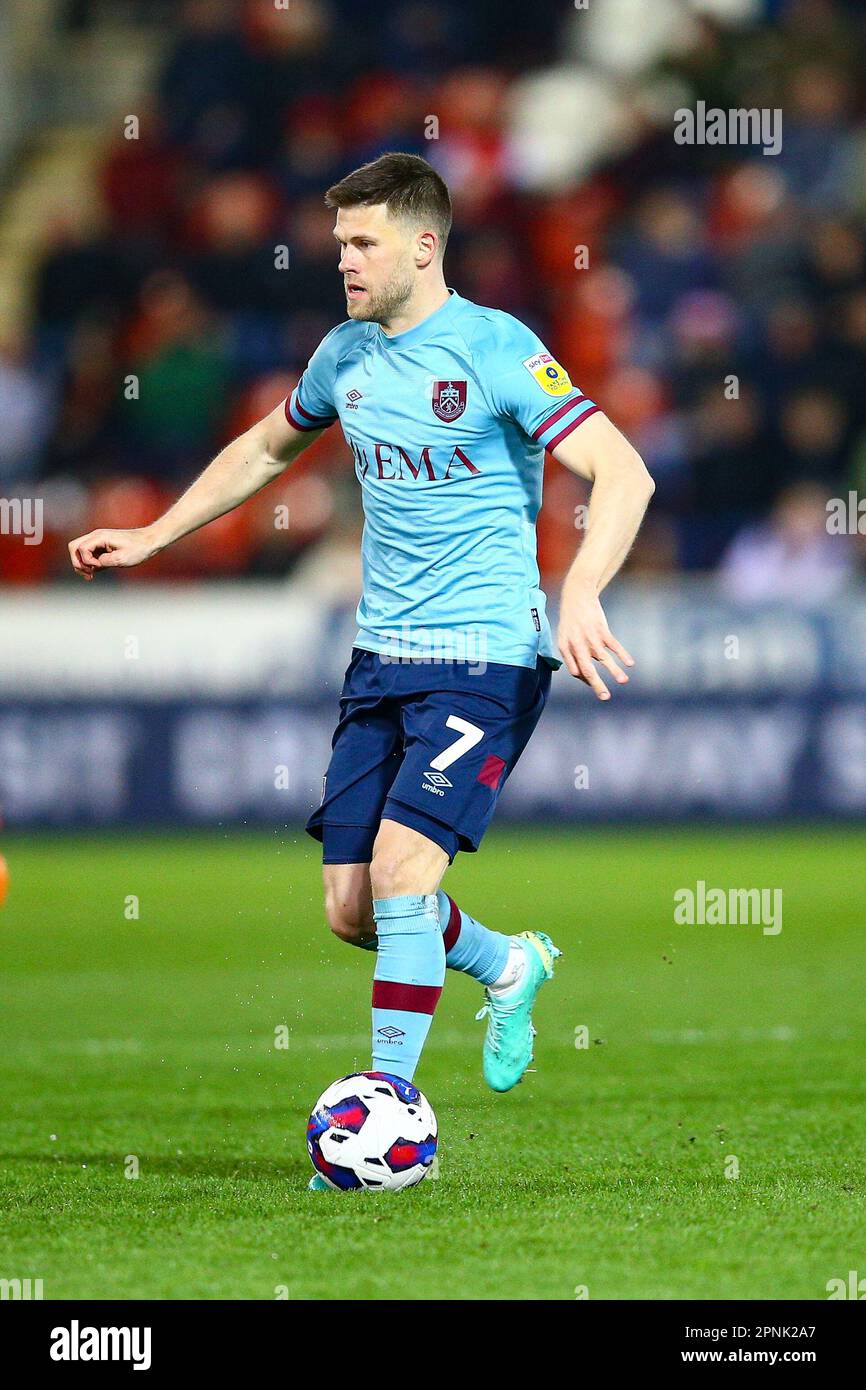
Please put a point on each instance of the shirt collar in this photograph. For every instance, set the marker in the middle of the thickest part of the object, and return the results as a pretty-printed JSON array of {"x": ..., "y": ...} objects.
[{"x": 412, "y": 336}]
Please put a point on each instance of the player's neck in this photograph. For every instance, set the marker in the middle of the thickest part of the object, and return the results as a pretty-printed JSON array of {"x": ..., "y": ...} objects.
[{"x": 422, "y": 304}]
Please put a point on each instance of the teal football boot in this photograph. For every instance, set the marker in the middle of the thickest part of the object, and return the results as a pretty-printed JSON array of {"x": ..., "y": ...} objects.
[
  {"x": 317, "y": 1184},
  {"x": 508, "y": 1044}
]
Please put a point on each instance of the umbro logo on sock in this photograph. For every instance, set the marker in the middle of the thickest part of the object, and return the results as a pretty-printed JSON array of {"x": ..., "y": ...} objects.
[{"x": 390, "y": 1032}]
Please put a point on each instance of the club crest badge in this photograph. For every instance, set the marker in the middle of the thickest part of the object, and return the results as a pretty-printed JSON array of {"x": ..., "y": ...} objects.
[{"x": 449, "y": 400}]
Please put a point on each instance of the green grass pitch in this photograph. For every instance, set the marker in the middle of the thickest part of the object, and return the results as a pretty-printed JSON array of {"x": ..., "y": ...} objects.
[{"x": 606, "y": 1169}]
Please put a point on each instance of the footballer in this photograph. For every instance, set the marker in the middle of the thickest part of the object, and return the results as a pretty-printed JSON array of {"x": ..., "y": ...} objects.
[{"x": 448, "y": 408}]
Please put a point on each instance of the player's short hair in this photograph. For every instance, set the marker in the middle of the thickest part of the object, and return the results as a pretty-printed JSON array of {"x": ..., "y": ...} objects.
[{"x": 407, "y": 185}]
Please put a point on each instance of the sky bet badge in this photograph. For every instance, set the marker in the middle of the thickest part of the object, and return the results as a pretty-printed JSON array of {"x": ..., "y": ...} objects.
[
  {"x": 547, "y": 372},
  {"x": 449, "y": 399}
]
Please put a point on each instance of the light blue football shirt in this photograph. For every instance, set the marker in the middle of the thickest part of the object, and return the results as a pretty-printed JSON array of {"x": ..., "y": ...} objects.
[{"x": 447, "y": 423}]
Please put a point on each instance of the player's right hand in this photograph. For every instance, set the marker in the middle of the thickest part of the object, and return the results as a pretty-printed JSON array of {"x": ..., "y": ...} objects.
[{"x": 101, "y": 550}]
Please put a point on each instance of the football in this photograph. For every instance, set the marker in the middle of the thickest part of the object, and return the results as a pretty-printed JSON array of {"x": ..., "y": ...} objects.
[{"x": 372, "y": 1130}]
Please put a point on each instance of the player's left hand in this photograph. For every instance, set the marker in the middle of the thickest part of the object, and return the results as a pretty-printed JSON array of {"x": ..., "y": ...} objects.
[{"x": 584, "y": 638}]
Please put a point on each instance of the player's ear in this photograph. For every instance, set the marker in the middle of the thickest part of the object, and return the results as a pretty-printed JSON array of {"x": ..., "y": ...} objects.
[{"x": 426, "y": 246}]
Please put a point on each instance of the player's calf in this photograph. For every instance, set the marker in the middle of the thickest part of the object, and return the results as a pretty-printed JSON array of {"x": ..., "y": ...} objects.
[{"x": 410, "y": 959}]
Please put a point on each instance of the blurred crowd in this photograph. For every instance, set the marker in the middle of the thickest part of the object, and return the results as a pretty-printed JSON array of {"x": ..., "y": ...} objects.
[{"x": 717, "y": 312}]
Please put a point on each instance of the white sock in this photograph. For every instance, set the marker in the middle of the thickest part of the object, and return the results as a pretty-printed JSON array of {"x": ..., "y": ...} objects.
[{"x": 513, "y": 971}]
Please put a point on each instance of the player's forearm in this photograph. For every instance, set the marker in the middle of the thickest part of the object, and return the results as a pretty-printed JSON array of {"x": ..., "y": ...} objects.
[
  {"x": 239, "y": 471},
  {"x": 620, "y": 496}
]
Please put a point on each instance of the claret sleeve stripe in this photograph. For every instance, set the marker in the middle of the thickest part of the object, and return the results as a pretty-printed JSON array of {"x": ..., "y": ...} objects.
[
  {"x": 563, "y": 420},
  {"x": 557, "y": 415},
  {"x": 301, "y": 419},
  {"x": 587, "y": 409}
]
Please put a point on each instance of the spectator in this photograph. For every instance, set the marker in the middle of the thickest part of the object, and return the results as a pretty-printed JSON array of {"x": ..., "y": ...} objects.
[
  {"x": 172, "y": 412},
  {"x": 790, "y": 558},
  {"x": 26, "y": 408}
]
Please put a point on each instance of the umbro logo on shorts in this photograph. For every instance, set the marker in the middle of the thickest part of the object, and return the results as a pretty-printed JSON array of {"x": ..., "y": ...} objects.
[{"x": 437, "y": 780}]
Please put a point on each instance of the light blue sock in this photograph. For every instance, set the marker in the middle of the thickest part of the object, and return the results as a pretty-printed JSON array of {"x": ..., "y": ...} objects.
[
  {"x": 408, "y": 980},
  {"x": 470, "y": 947}
]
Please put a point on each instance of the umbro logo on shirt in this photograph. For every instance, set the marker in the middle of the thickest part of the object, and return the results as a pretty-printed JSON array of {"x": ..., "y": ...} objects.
[{"x": 352, "y": 398}]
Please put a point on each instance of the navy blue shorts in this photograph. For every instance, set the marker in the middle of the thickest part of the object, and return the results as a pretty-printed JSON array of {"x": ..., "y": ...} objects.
[{"x": 428, "y": 745}]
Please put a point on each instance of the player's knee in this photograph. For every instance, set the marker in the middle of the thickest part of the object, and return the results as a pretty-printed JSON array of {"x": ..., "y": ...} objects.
[
  {"x": 404, "y": 861},
  {"x": 350, "y": 921},
  {"x": 388, "y": 874}
]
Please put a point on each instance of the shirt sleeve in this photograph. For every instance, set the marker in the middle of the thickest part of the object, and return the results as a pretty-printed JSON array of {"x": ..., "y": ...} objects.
[
  {"x": 531, "y": 388},
  {"x": 311, "y": 404}
]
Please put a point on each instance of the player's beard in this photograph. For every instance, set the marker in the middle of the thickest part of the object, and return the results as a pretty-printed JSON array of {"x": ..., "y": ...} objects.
[{"x": 385, "y": 303}]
